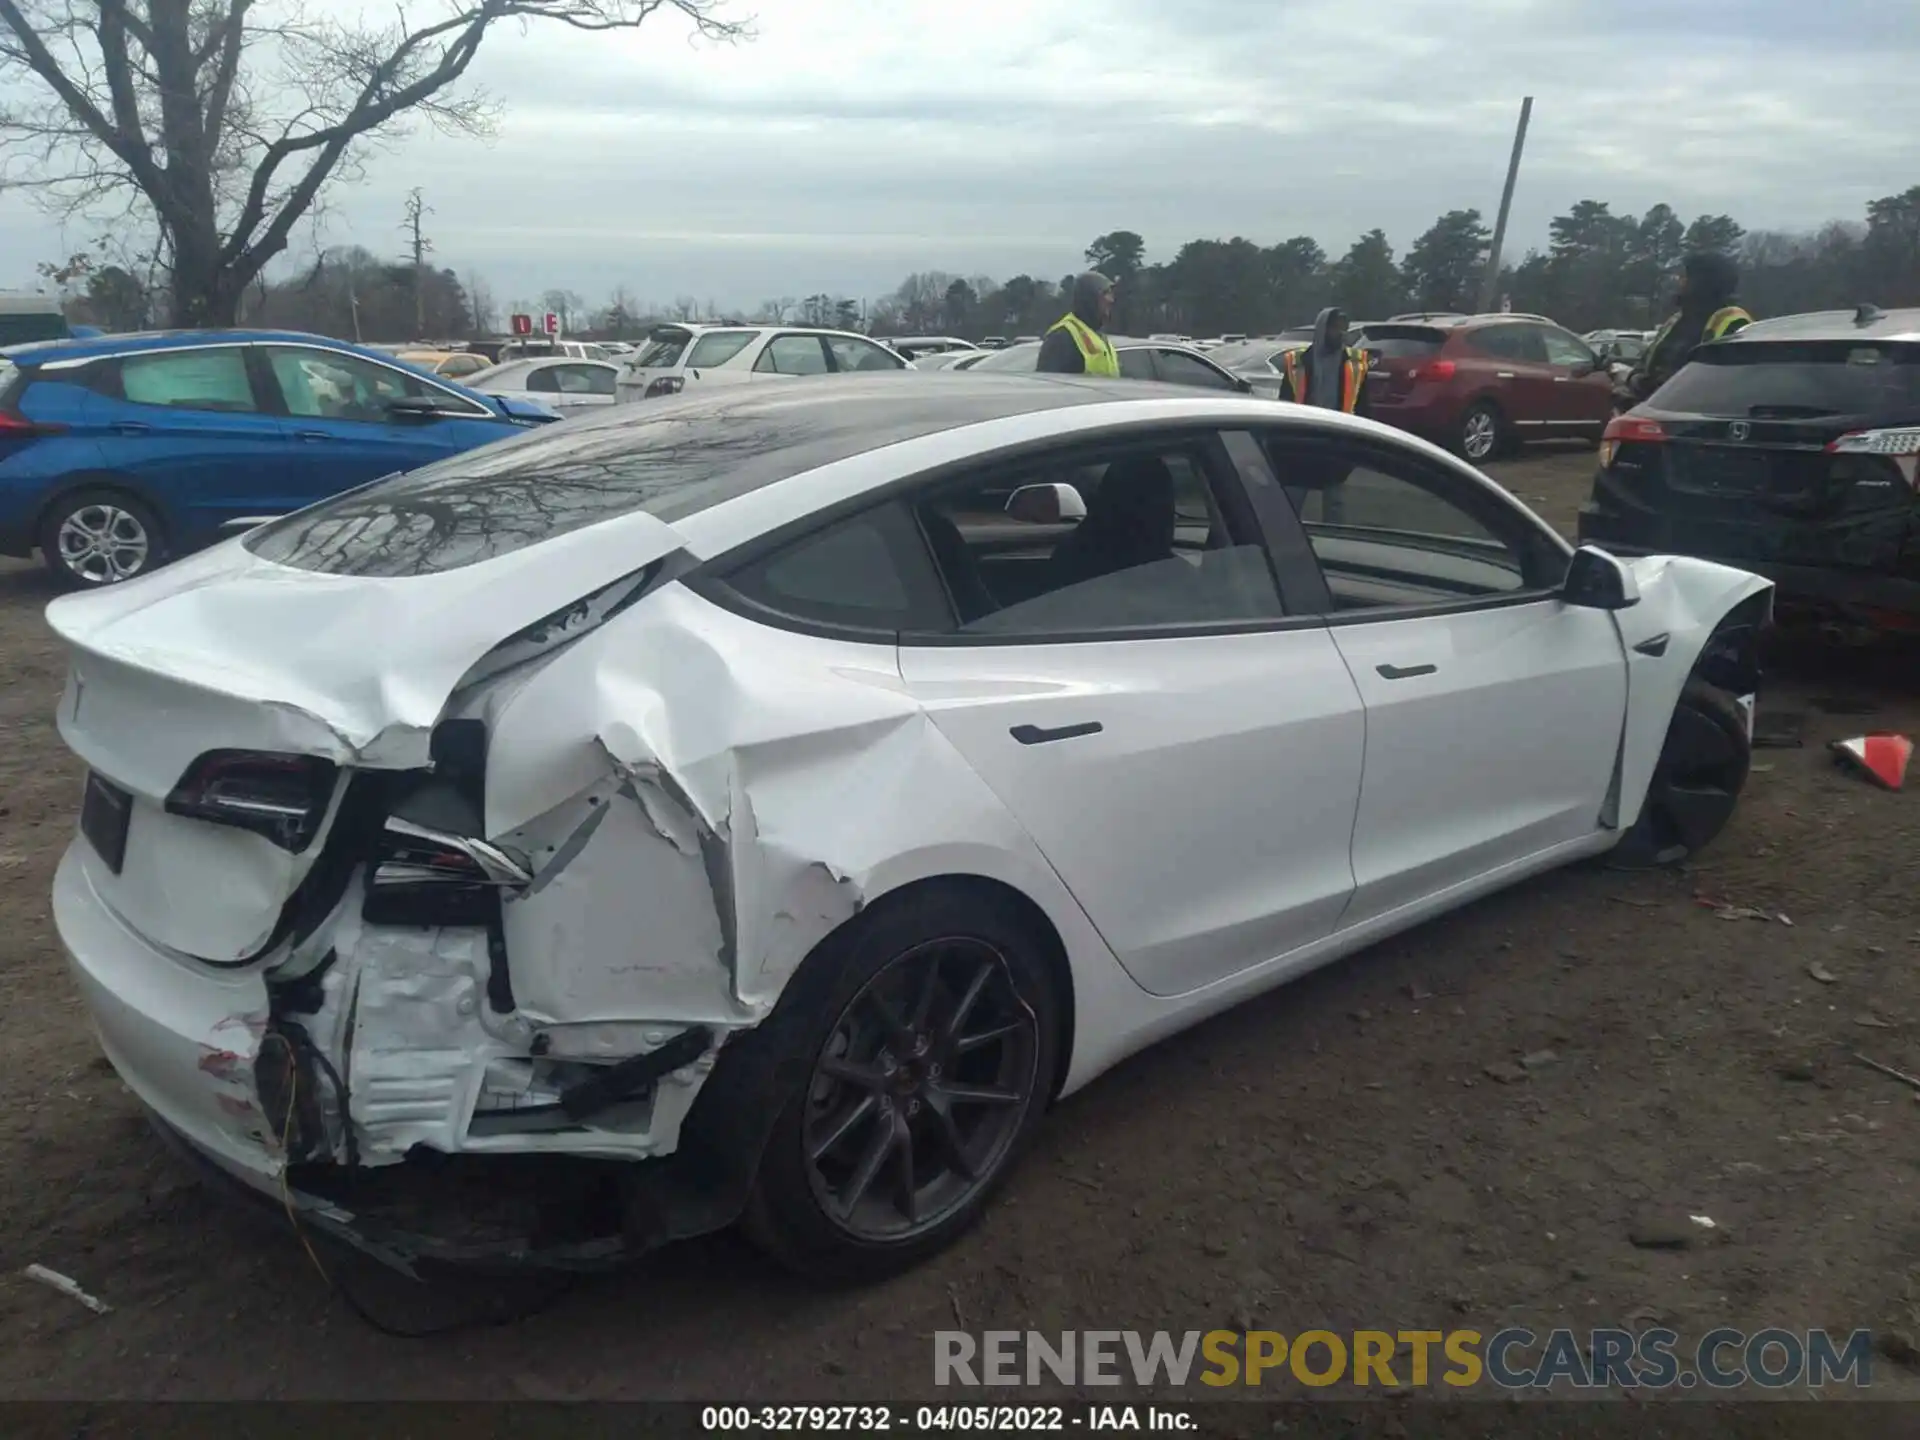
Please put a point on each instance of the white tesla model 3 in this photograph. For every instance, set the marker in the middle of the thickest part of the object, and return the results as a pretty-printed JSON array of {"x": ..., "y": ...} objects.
[{"x": 763, "y": 804}]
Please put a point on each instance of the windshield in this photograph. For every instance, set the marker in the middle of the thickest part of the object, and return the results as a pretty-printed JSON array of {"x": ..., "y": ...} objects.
[
  {"x": 663, "y": 349},
  {"x": 1802, "y": 377}
]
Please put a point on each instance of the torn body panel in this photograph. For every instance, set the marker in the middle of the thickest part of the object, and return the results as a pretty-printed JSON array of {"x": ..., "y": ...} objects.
[
  {"x": 197, "y": 656},
  {"x": 1683, "y": 600}
]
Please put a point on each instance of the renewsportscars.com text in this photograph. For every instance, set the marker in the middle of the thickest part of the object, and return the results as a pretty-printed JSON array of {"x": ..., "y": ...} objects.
[{"x": 1511, "y": 1359}]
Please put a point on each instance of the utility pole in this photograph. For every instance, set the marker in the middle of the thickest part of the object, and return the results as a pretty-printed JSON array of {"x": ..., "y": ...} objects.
[
  {"x": 1490, "y": 286},
  {"x": 416, "y": 212}
]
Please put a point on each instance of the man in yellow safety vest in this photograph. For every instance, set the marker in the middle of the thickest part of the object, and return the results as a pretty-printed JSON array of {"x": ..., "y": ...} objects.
[
  {"x": 1707, "y": 312},
  {"x": 1076, "y": 345},
  {"x": 1328, "y": 372}
]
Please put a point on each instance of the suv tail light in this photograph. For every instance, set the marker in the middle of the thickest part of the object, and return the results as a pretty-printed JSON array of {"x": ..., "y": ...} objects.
[
  {"x": 1432, "y": 370},
  {"x": 281, "y": 797},
  {"x": 1902, "y": 446},
  {"x": 18, "y": 427},
  {"x": 1633, "y": 428},
  {"x": 665, "y": 385}
]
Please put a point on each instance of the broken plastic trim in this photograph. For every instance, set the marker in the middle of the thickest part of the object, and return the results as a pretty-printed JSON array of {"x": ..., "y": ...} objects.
[
  {"x": 623, "y": 1080},
  {"x": 497, "y": 864}
]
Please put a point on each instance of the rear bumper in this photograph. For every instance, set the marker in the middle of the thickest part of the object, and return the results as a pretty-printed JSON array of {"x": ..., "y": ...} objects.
[{"x": 183, "y": 1035}]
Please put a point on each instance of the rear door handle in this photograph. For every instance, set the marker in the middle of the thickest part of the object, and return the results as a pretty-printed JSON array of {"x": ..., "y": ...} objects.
[
  {"x": 1398, "y": 672},
  {"x": 1034, "y": 735},
  {"x": 131, "y": 427},
  {"x": 1563, "y": 379},
  {"x": 1503, "y": 374},
  {"x": 310, "y": 435}
]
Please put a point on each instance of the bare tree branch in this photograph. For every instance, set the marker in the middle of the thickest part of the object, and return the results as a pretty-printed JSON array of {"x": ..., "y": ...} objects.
[{"x": 227, "y": 120}]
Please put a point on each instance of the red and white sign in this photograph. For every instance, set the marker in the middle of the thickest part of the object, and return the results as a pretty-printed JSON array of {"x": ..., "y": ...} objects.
[
  {"x": 551, "y": 323},
  {"x": 522, "y": 324}
]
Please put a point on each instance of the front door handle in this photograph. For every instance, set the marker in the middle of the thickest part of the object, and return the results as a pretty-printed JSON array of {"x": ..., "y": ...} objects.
[
  {"x": 1034, "y": 735},
  {"x": 1503, "y": 374},
  {"x": 1398, "y": 672},
  {"x": 1563, "y": 379},
  {"x": 310, "y": 435},
  {"x": 130, "y": 427}
]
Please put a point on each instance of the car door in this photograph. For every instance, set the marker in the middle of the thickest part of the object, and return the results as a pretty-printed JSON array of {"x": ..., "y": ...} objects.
[
  {"x": 342, "y": 426},
  {"x": 192, "y": 429},
  {"x": 1583, "y": 390},
  {"x": 572, "y": 386},
  {"x": 1493, "y": 707},
  {"x": 1522, "y": 380},
  {"x": 1184, "y": 750}
]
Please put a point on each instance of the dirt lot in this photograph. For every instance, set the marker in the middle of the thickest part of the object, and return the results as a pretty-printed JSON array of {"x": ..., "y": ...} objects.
[{"x": 1334, "y": 1154}]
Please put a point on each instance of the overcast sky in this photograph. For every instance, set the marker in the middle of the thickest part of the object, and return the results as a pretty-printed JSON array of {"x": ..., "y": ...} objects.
[{"x": 853, "y": 141}]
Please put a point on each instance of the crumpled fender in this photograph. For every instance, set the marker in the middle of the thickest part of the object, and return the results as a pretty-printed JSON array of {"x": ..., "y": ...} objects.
[
  {"x": 705, "y": 799},
  {"x": 1683, "y": 599}
]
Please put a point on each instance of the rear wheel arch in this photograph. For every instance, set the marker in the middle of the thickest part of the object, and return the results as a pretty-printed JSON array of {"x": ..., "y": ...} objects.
[
  {"x": 114, "y": 482},
  {"x": 983, "y": 890}
]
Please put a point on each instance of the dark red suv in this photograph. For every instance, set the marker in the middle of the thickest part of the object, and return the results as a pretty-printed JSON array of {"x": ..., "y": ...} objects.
[{"x": 1482, "y": 384}]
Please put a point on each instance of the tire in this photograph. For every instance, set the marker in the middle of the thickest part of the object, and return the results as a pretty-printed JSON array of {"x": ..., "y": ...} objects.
[
  {"x": 1482, "y": 435},
  {"x": 830, "y": 1199},
  {"x": 97, "y": 537},
  {"x": 1696, "y": 782}
]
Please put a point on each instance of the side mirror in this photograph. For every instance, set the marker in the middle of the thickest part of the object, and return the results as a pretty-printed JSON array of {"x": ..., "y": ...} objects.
[
  {"x": 1243, "y": 385},
  {"x": 1598, "y": 581},
  {"x": 1053, "y": 504}
]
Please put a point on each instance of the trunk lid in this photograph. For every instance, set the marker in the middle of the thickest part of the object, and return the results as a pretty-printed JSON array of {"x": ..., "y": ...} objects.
[
  {"x": 1395, "y": 354},
  {"x": 228, "y": 651}
]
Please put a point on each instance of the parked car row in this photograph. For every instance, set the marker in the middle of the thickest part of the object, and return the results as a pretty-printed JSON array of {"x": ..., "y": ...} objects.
[{"x": 119, "y": 452}]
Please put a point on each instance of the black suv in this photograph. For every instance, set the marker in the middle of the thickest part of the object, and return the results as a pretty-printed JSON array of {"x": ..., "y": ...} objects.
[{"x": 1789, "y": 449}]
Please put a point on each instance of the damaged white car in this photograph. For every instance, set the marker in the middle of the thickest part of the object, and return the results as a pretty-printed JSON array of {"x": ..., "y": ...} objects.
[{"x": 762, "y": 805}]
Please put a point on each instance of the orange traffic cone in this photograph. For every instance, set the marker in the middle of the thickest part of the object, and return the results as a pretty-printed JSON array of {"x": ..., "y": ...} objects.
[{"x": 1883, "y": 757}]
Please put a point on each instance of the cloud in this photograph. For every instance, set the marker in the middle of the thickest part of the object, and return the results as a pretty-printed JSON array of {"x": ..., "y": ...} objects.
[{"x": 853, "y": 141}]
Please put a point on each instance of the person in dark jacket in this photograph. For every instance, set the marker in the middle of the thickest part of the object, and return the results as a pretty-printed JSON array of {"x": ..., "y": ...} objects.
[
  {"x": 1077, "y": 343},
  {"x": 1708, "y": 283},
  {"x": 1327, "y": 372}
]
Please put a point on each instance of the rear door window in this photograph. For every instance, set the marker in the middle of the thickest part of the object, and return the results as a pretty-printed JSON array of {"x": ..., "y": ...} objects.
[
  {"x": 214, "y": 378},
  {"x": 1136, "y": 364},
  {"x": 852, "y": 353},
  {"x": 1809, "y": 378},
  {"x": 793, "y": 355},
  {"x": 1511, "y": 342}
]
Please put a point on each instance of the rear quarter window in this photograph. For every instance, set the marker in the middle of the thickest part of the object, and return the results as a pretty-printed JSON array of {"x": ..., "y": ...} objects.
[
  {"x": 1399, "y": 342},
  {"x": 1803, "y": 377},
  {"x": 663, "y": 349}
]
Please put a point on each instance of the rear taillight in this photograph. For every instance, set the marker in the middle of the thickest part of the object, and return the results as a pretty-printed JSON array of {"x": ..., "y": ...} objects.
[
  {"x": 1902, "y": 446},
  {"x": 1633, "y": 429},
  {"x": 665, "y": 385},
  {"x": 18, "y": 427},
  {"x": 281, "y": 797},
  {"x": 1433, "y": 370}
]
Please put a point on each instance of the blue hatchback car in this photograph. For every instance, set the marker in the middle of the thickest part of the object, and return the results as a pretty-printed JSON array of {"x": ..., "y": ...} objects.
[{"x": 119, "y": 451}]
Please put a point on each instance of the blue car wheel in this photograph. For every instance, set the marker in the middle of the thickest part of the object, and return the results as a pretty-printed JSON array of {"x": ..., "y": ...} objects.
[{"x": 100, "y": 537}]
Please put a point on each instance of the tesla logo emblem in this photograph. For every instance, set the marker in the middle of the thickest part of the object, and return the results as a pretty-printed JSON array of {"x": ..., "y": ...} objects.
[{"x": 1739, "y": 430}]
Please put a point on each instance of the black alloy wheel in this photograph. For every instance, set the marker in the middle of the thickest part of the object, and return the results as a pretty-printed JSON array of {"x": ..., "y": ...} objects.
[
  {"x": 920, "y": 1092},
  {"x": 925, "y": 1040},
  {"x": 1696, "y": 782}
]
